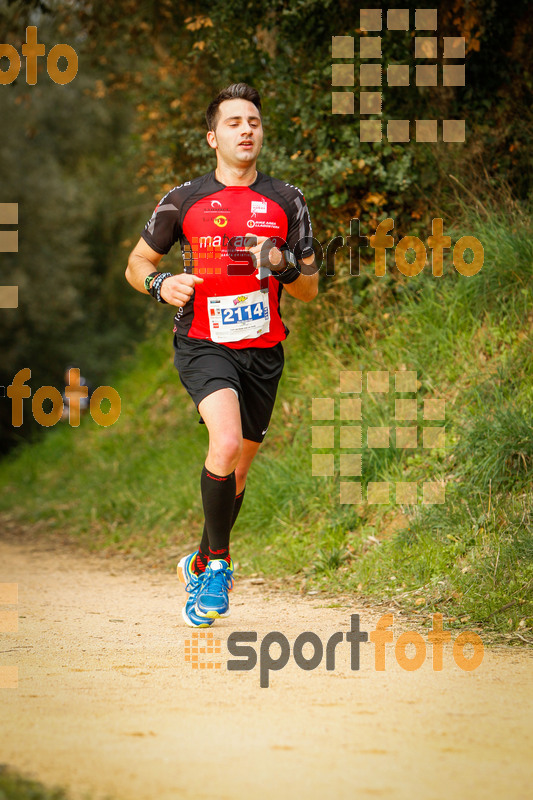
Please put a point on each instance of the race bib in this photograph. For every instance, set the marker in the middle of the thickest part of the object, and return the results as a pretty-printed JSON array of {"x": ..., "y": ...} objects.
[{"x": 236, "y": 317}]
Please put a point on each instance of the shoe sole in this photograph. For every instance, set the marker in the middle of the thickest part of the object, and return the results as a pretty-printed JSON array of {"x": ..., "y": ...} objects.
[
  {"x": 193, "y": 624},
  {"x": 181, "y": 574},
  {"x": 180, "y": 571},
  {"x": 212, "y": 614}
]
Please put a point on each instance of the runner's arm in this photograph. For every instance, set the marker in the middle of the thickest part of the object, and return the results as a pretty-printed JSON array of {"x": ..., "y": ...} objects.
[
  {"x": 299, "y": 240},
  {"x": 142, "y": 261},
  {"x": 175, "y": 290},
  {"x": 305, "y": 287}
]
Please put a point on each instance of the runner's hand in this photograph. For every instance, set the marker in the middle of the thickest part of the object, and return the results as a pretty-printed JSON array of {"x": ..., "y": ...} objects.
[
  {"x": 178, "y": 289},
  {"x": 265, "y": 255}
]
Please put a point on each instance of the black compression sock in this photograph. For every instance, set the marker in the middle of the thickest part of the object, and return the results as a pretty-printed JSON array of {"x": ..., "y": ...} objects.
[
  {"x": 204, "y": 544},
  {"x": 222, "y": 554},
  {"x": 200, "y": 562},
  {"x": 237, "y": 507},
  {"x": 218, "y": 498}
]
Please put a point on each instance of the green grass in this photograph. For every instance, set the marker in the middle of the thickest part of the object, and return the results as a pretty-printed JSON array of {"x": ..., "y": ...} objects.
[
  {"x": 134, "y": 487},
  {"x": 16, "y": 787}
]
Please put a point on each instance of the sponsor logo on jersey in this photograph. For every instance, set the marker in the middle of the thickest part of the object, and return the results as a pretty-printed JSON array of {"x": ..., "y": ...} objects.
[
  {"x": 212, "y": 242},
  {"x": 240, "y": 299},
  {"x": 258, "y": 207},
  {"x": 221, "y": 221},
  {"x": 218, "y": 209},
  {"x": 260, "y": 223}
]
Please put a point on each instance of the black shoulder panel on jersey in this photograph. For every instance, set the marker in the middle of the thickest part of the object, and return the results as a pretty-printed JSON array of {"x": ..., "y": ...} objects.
[
  {"x": 291, "y": 199},
  {"x": 165, "y": 226}
]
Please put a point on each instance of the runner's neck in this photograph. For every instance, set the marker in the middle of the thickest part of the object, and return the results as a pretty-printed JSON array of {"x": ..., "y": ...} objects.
[{"x": 231, "y": 177}]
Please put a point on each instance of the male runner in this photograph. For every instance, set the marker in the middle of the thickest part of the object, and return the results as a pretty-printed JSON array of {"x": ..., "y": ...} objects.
[{"x": 228, "y": 328}]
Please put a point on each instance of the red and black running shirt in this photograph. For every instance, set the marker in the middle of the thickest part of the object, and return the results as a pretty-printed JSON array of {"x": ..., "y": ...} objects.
[{"x": 204, "y": 215}]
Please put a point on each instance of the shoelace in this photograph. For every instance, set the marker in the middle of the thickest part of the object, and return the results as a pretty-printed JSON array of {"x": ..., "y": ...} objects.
[
  {"x": 194, "y": 585},
  {"x": 216, "y": 581}
]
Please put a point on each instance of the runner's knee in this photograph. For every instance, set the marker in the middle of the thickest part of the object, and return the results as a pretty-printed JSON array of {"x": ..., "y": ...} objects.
[{"x": 226, "y": 449}]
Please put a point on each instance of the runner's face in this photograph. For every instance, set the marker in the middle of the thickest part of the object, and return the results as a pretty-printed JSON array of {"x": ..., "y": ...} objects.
[{"x": 239, "y": 133}]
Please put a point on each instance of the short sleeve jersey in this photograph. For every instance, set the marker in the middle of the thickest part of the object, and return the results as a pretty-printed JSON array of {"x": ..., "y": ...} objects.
[{"x": 206, "y": 216}]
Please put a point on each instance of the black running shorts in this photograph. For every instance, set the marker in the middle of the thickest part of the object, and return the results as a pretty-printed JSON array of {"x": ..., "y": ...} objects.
[{"x": 253, "y": 372}]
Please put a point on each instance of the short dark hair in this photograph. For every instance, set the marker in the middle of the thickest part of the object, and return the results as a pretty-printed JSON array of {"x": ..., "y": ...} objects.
[{"x": 240, "y": 91}]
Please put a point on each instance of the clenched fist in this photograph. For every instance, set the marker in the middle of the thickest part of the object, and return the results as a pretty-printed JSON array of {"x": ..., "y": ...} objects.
[
  {"x": 265, "y": 253},
  {"x": 178, "y": 289}
]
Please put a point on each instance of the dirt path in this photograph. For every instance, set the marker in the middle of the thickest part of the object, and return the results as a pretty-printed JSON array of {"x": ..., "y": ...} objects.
[{"x": 107, "y": 704}]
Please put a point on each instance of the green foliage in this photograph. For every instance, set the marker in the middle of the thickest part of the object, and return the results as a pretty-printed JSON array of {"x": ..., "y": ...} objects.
[
  {"x": 103, "y": 148},
  {"x": 307, "y": 144},
  {"x": 16, "y": 787},
  {"x": 469, "y": 557},
  {"x": 59, "y": 162},
  {"x": 501, "y": 435}
]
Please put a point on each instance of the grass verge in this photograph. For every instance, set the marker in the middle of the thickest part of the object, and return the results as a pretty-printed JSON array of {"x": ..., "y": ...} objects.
[
  {"x": 17, "y": 787},
  {"x": 133, "y": 487}
]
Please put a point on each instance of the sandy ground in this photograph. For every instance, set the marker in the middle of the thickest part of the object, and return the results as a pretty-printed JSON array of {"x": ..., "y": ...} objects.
[{"x": 108, "y": 705}]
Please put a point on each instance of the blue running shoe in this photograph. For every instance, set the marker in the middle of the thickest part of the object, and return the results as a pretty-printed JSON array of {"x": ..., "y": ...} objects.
[
  {"x": 212, "y": 598},
  {"x": 185, "y": 573},
  {"x": 188, "y": 613}
]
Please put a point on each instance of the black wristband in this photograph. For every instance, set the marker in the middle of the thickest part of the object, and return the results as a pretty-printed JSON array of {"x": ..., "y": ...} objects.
[
  {"x": 155, "y": 287},
  {"x": 290, "y": 273}
]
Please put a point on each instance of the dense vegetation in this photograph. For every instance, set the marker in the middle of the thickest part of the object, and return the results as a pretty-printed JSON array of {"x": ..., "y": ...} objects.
[
  {"x": 17, "y": 787},
  {"x": 133, "y": 487},
  {"x": 87, "y": 162}
]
